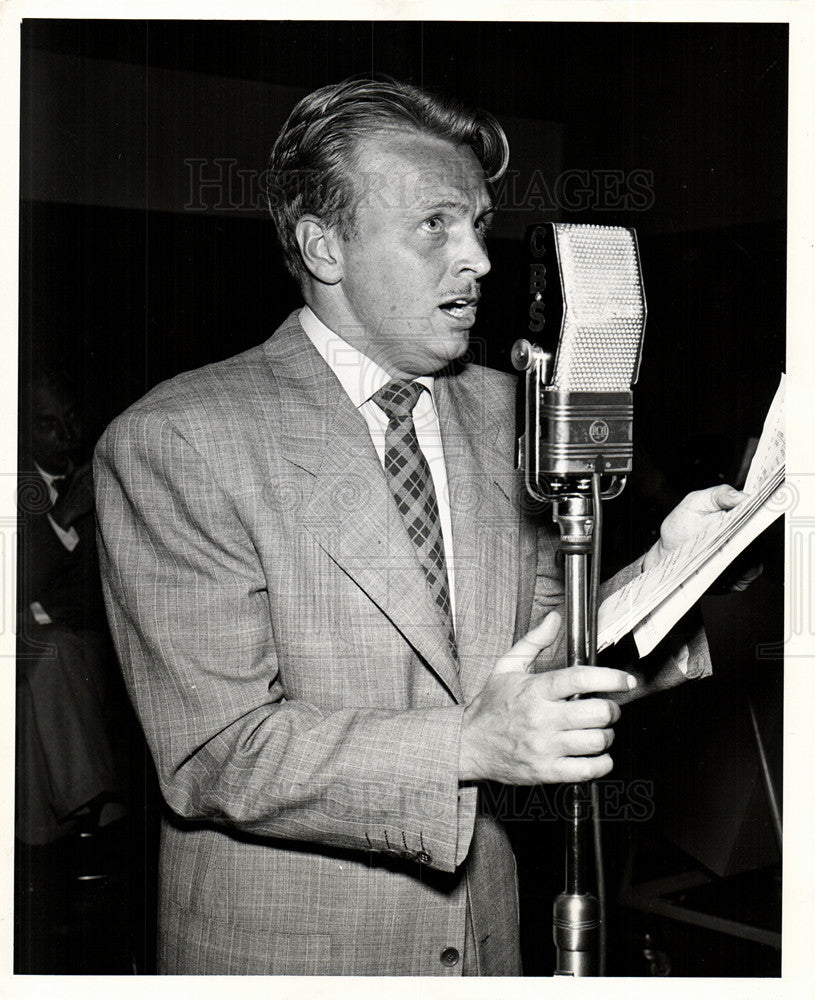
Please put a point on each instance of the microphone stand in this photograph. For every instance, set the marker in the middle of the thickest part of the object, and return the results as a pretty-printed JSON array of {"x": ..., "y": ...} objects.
[
  {"x": 576, "y": 911},
  {"x": 576, "y": 499},
  {"x": 585, "y": 285}
]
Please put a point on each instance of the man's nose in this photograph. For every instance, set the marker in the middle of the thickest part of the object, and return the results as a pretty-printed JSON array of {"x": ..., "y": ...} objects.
[
  {"x": 67, "y": 432},
  {"x": 472, "y": 259}
]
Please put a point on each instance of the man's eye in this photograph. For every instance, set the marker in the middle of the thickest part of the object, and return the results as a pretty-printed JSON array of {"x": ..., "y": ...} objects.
[
  {"x": 485, "y": 224},
  {"x": 433, "y": 225}
]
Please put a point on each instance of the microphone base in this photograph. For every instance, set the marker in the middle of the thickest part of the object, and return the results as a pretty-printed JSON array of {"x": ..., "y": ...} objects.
[{"x": 576, "y": 933}]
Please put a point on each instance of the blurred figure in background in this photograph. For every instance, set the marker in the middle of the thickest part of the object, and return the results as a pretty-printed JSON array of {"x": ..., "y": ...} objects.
[{"x": 74, "y": 733}]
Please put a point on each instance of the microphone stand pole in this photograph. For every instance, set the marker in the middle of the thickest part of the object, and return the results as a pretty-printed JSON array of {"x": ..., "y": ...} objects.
[
  {"x": 576, "y": 912},
  {"x": 585, "y": 284},
  {"x": 575, "y": 501}
]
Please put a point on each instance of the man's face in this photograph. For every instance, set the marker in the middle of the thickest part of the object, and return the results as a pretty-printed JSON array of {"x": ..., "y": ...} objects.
[
  {"x": 55, "y": 433},
  {"x": 411, "y": 271}
]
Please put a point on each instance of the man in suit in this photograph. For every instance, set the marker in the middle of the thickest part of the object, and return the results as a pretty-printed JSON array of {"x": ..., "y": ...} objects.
[
  {"x": 326, "y": 592},
  {"x": 71, "y": 710},
  {"x": 66, "y": 670},
  {"x": 60, "y": 578}
]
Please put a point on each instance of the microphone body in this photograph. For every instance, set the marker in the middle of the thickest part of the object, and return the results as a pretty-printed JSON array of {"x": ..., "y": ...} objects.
[{"x": 588, "y": 306}]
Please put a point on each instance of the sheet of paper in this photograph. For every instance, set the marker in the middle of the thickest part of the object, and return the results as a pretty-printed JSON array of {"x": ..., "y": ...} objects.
[
  {"x": 656, "y": 625},
  {"x": 653, "y": 602},
  {"x": 770, "y": 452}
]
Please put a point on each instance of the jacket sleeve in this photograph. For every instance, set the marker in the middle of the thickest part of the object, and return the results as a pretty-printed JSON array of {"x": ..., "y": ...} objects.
[{"x": 190, "y": 616}]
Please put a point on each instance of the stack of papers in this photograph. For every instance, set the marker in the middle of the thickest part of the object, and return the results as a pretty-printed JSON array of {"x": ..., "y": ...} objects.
[{"x": 650, "y": 605}]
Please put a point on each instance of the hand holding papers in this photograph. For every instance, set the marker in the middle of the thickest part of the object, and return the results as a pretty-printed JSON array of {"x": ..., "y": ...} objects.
[{"x": 652, "y": 603}]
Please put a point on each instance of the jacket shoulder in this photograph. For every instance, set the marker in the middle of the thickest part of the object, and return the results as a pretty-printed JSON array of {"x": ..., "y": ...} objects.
[
  {"x": 477, "y": 382},
  {"x": 225, "y": 393},
  {"x": 492, "y": 377}
]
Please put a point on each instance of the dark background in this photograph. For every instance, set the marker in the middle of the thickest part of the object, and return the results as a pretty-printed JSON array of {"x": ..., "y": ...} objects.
[{"x": 126, "y": 284}]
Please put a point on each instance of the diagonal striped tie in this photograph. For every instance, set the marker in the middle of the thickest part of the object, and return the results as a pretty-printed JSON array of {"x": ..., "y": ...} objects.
[{"x": 412, "y": 487}]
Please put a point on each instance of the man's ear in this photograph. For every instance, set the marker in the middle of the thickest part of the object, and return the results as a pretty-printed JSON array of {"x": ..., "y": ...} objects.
[{"x": 318, "y": 246}]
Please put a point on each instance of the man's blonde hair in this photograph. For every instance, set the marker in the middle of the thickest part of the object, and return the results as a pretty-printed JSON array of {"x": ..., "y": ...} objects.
[{"x": 311, "y": 167}]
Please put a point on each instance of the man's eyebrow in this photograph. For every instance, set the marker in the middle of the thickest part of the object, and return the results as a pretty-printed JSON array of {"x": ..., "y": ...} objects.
[{"x": 452, "y": 205}]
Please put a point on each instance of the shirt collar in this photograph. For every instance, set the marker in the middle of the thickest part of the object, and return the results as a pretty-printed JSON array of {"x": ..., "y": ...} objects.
[
  {"x": 357, "y": 373},
  {"x": 50, "y": 477}
]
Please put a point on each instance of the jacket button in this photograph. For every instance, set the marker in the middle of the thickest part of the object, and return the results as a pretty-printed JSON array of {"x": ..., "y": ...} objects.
[
  {"x": 449, "y": 956},
  {"x": 423, "y": 858}
]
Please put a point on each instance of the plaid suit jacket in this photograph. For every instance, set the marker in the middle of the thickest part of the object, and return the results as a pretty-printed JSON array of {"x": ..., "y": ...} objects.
[{"x": 292, "y": 673}]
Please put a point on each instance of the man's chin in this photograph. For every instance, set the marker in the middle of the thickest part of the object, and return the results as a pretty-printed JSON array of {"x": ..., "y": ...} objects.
[
  {"x": 435, "y": 353},
  {"x": 452, "y": 341},
  {"x": 459, "y": 347},
  {"x": 447, "y": 352},
  {"x": 55, "y": 465}
]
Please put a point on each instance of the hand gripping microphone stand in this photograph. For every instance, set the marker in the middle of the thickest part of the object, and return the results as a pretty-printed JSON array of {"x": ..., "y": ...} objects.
[{"x": 575, "y": 451}]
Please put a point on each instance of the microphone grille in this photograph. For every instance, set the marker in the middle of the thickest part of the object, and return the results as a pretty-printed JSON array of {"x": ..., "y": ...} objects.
[{"x": 603, "y": 308}]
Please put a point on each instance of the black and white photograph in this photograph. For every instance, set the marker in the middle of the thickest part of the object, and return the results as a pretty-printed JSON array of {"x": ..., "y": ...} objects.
[{"x": 408, "y": 572}]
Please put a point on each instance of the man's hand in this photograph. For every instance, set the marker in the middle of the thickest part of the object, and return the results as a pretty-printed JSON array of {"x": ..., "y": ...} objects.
[
  {"x": 77, "y": 500},
  {"x": 691, "y": 517},
  {"x": 523, "y": 729}
]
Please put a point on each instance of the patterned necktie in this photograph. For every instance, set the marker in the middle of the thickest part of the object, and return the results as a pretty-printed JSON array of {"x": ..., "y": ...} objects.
[{"x": 412, "y": 487}]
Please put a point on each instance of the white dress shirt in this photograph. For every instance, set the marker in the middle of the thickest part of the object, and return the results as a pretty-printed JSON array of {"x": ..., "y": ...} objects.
[
  {"x": 361, "y": 378},
  {"x": 69, "y": 538}
]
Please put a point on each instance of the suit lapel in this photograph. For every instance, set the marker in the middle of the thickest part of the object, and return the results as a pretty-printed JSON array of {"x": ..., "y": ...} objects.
[
  {"x": 350, "y": 511},
  {"x": 477, "y": 414}
]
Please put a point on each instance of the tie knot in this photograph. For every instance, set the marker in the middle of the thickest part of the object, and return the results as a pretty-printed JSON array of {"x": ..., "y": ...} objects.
[{"x": 398, "y": 398}]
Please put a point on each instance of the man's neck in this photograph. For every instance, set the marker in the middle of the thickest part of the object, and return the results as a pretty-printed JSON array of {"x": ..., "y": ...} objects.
[
  {"x": 346, "y": 326},
  {"x": 52, "y": 473}
]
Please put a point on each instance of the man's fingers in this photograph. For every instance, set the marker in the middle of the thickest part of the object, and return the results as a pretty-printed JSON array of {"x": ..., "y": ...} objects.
[
  {"x": 579, "y": 769},
  {"x": 747, "y": 577},
  {"x": 588, "y": 713},
  {"x": 526, "y": 649},
  {"x": 721, "y": 498},
  {"x": 586, "y": 680},
  {"x": 586, "y": 742}
]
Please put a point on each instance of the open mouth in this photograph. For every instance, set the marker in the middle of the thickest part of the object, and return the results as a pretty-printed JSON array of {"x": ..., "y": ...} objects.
[{"x": 459, "y": 308}]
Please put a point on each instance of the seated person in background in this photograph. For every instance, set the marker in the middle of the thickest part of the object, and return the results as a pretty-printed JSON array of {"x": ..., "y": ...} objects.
[{"x": 68, "y": 690}]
